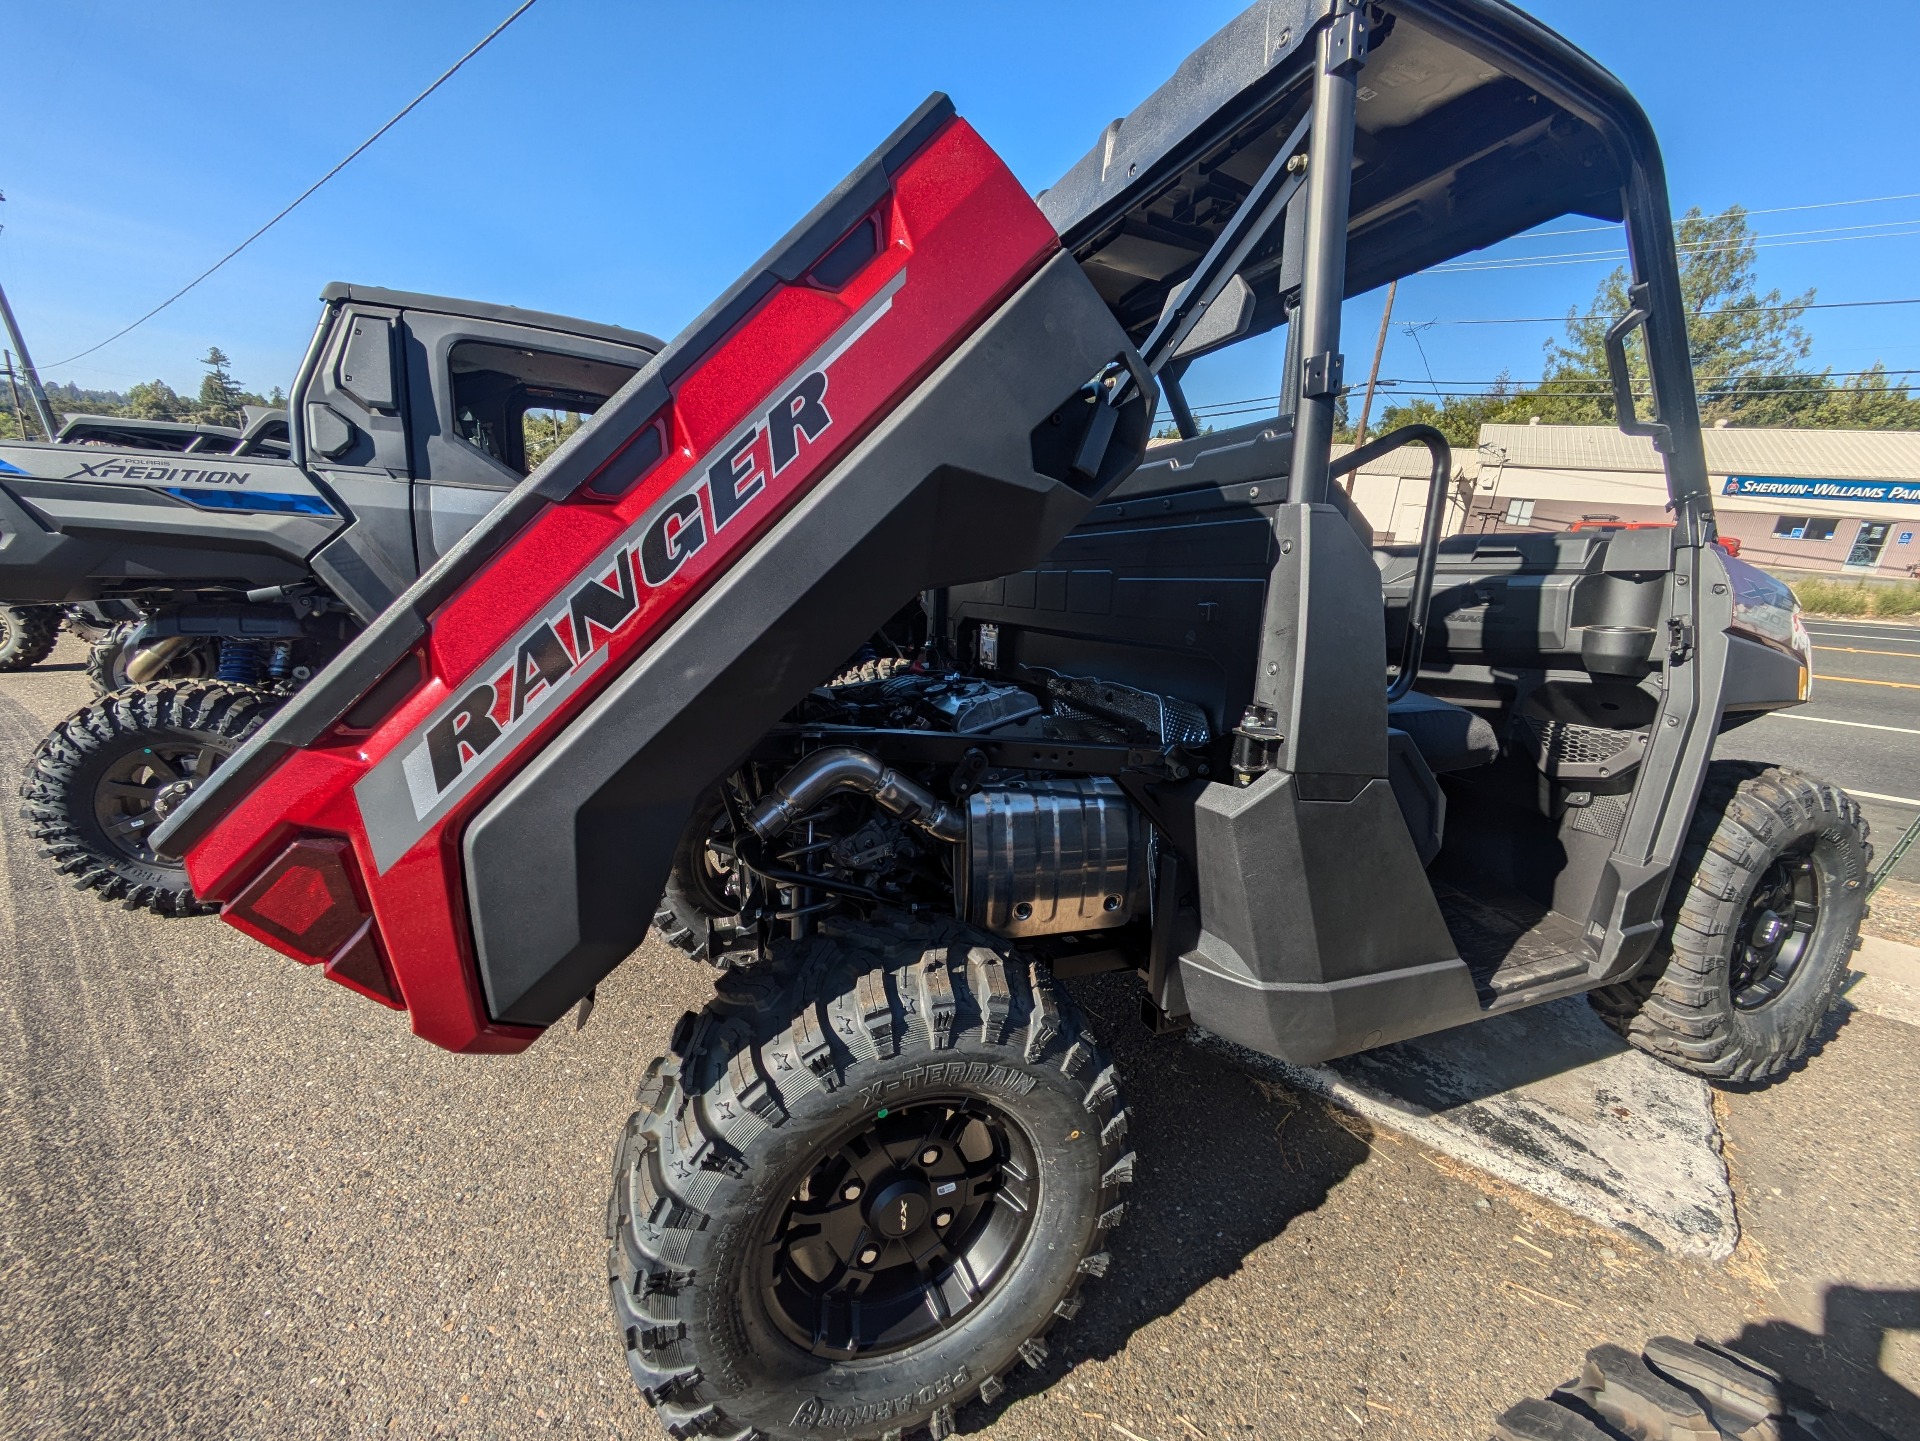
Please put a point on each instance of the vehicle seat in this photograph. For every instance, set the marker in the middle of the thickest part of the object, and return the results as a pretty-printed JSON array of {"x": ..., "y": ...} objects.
[{"x": 1448, "y": 737}]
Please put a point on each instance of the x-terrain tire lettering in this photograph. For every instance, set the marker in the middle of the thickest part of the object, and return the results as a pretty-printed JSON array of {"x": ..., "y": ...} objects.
[{"x": 908, "y": 1117}]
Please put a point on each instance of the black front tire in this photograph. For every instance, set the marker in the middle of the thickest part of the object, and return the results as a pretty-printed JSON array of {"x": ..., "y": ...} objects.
[
  {"x": 102, "y": 779},
  {"x": 28, "y": 634},
  {"x": 1762, "y": 922},
  {"x": 825, "y": 1042}
]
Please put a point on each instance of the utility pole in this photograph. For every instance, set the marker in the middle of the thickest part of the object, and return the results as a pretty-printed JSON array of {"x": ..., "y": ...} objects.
[
  {"x": 39, "y": 395},
  {"x": 1373, "y": 376}
]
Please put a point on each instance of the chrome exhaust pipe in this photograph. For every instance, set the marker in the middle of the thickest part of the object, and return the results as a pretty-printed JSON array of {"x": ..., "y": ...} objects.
[
  {"x": 151, "y": 660},
  {"x": 844, "y": 768}
]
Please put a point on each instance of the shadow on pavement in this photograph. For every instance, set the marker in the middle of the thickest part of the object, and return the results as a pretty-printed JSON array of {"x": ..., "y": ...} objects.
[
  {"x": 1234, "y": 1159},
  {"x": 1842, "y": 1363}
]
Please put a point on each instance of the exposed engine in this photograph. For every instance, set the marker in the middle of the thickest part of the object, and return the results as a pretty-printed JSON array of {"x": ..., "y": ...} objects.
[{"x": 880, "y": 800}]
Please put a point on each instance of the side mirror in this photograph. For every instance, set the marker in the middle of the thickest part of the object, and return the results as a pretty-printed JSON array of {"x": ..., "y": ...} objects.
[
  {"x": 329, "y": 433},
  {"x": 1223, "y": 322}
]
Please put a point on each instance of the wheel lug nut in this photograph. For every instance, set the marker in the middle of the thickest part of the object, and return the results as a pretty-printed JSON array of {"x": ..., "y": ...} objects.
[
  {"x": 852, "y": 1191},
  {"x": 930, "y": 1156},
  {"x": 870, "y": 1255},
  {"x": 943, "y": 1219}
]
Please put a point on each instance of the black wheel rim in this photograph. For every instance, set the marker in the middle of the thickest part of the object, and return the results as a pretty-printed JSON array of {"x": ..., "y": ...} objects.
[
  {"x": 898, "y": 1230},
  {"x": 137, "y": 790},
  {"x": 1776, "y": 929}
]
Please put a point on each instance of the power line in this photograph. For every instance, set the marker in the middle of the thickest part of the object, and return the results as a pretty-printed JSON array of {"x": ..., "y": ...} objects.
[
  {"x": 1421, "y": 389},
  {"x": 1597, "y": 257},
  {"x": 287, "y": 210},
  {"x": 1717, "y": 310},
  {"x": 1770, "y": 210}
]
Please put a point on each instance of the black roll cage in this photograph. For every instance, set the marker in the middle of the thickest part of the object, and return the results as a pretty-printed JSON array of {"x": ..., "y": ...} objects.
[{"x": 1296, "y": 222}]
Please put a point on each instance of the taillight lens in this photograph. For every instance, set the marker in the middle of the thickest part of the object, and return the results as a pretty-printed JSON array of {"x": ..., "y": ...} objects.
[{"x": 309, "y": 904}]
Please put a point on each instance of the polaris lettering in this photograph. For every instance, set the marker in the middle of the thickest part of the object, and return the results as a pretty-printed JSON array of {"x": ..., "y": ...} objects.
[{"x": 571, "y": 639}]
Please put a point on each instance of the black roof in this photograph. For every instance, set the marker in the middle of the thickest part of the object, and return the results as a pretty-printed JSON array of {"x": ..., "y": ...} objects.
[
  {"x": 1475, "y": 122},
  {"x": 482, "y": 310}
]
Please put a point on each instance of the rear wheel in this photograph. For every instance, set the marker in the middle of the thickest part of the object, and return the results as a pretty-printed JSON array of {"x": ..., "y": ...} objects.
[
  {"x": 699, "y": 911},
  {"x": 1763, "y": 921},
  {"x": 864, "y": 1183},
  {"x": 28, "y": 634},
  {"x": 110, "y": 772}
]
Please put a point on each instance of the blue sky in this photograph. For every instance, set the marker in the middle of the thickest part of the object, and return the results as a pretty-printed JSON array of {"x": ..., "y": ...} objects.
[{"x": 625, "y": 161}]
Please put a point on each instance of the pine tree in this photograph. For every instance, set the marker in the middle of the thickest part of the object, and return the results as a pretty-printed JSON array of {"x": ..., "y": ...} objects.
[{"x": 220, "y": 397}]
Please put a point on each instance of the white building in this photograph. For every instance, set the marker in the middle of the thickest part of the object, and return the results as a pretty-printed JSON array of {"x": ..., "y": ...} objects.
[{"x": 1796, "y": 500}]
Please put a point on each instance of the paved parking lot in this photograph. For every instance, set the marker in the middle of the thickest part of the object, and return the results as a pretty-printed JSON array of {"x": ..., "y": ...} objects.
[{"x": 238, "y": 1201}]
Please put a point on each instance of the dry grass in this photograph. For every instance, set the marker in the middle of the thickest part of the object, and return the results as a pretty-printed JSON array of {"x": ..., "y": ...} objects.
[{"x": 1841, "y": 597}]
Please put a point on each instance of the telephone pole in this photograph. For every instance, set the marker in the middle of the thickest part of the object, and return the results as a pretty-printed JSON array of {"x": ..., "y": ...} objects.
[
  {"x": 41, "y": 408},
  {"x": 1373, "y": 376}
]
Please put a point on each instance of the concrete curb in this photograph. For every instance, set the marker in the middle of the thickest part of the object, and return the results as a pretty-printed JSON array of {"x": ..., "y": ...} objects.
[
  {"x": 1885, "y": 980},
  {"x": 1550, "y": 1100}
]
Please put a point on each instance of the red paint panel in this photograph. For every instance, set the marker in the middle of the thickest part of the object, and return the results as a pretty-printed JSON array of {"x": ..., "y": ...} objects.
[{"x": 961, "y": 236}]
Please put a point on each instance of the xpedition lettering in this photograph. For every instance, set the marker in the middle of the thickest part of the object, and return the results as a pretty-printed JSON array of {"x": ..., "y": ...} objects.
[{"x": 571, "y": 639}]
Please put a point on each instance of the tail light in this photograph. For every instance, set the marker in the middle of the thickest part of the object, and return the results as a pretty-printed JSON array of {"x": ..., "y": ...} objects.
[{"x": 310, "y": 905}]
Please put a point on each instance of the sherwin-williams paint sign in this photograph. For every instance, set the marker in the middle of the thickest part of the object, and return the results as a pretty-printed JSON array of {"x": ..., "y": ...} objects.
[{"x": 1888, "y": 492}]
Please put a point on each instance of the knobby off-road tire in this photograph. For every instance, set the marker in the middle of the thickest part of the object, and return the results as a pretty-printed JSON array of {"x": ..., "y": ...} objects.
[
  {"x": 786, "y": 1136},
  {"x": 1762, "y": 921},
  {"x": 1678, "y": 1391},
  {"x": 28, "y": 634},
  {"x": 102, "y": 780},
  {"x": 697, "y": 912}
]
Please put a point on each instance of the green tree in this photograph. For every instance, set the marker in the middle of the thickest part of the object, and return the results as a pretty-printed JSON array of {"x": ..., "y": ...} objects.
[
  {"x": 220, "y": 398},
  {"x": 1459, "y": 417},
  {"x": 155, "y": 400},
  {"x": 1747, "y": 346}
]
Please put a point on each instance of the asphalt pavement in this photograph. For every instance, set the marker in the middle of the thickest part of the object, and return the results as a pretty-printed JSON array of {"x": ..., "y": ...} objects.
[
  {"x": 1861, "y": 729},
  {"x": 238, "y": 1201}
]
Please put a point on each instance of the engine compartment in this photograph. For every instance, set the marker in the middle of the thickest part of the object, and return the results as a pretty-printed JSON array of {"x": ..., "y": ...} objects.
[{"x": 913, "y": 782}]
